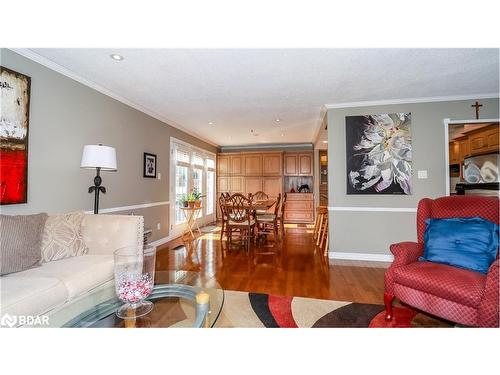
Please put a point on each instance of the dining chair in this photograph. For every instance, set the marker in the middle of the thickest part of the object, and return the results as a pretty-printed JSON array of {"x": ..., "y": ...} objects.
[
  {"x": 260, "y": 196},
  {"x": 240, "y": 218},
  {"x": 281, "y": 217},
  {"x": 269, "y": 222},
  {"x": 222, "y": 206}
]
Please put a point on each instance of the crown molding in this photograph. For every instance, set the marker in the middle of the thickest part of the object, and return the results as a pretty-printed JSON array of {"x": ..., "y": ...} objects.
[
  {"x": 369, "y": 103},
  {"x": 322, "y": 114},
  {"x": 304, "y": 146},
  {"x": 25, "y": 52}
]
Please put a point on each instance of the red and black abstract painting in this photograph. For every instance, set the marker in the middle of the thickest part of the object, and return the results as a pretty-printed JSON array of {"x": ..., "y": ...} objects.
[{"x": 14, "y": 123}]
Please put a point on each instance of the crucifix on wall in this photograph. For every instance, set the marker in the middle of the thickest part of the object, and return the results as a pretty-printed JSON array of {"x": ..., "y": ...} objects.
[{"x": 477, "y": 106}]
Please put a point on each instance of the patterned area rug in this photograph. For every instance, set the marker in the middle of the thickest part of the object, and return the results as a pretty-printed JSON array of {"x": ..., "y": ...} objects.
[{"x": 252, "y": 310}]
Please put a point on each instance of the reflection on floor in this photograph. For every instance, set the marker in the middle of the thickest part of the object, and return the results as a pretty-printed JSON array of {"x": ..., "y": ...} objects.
[{"x": 291, "y": 266}]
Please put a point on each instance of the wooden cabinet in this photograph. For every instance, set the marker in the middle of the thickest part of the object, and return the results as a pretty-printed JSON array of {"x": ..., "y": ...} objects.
[
  {"x": 463, "y": 148},
  {"x": 271, "y": 164},
  {"x": 237, "y": 185},
  {"x": 298, "y": 164},
  {"x": 223, "y": 165},
  {"x": 483, "y": 140},
  {"x": 237, "y": 165},
  {"x": 250, "y": 172},
  {"x": 454, "y": 154},
  {"x": 291, "y": 164},
  {"x": 223, "y": 184},
  {"x": 253, "y": 165},
  {"x": 253, "y": 185},
  {"x": 299, "y": 207},
  {"x": 305, "y": 164},
  {"x": 272, "y": 186}
]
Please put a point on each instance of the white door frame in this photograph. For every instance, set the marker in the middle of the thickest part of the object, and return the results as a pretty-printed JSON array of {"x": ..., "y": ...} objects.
[
  {"x": 175, "y": 232},
  {"x": 447, "y": 122}
]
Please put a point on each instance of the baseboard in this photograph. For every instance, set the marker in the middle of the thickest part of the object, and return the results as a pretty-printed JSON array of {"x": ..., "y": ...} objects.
[
  {"x": 163, "y": 240},
  {"x": 361, "y": 256}
]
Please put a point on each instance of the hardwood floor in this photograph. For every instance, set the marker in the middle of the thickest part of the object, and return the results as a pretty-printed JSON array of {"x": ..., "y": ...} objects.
[{"x": 296, "y": 268}]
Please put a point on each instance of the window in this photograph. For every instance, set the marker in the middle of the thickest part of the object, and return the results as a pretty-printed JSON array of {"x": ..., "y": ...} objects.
[{"x": 193, "y": 170}]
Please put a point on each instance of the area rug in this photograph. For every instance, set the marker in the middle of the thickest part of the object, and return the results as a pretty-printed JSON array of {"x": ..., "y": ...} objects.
[{"x": 252, "y": 310}]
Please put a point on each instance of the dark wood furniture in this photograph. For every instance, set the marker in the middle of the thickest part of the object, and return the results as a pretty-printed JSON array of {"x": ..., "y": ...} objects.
[{"x": 240, "y": 217}]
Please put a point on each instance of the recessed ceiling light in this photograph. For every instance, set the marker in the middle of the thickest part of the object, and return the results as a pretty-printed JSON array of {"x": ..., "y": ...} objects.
[
  {"x": 282, "y": 134},
  {"x": 210, "y": 123},
  {"x": 116, "y": 57},
  {"x": 325, "y": 141},
  {"x": 278, "y": 119}
]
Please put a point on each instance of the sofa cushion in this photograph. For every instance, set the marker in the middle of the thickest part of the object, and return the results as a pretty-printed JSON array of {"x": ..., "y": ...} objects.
[
  {"x": 470, "y": 243},
  {"x": 21, "y": 241},
  {"x": 451, "y": 283},
  {"x": 77, "y": 274},
  {"x": 30, "y": 295},
  {"x": 62, "y": 237}
]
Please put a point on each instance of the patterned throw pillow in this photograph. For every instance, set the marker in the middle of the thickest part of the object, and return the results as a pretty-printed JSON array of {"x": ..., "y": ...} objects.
[{"x": 62, "y": 237}]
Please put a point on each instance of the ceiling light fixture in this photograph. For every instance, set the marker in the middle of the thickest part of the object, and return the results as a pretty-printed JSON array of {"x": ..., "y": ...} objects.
[
  {"x": 282, "y": 134},
  {"x": 116, "y": 57},
  {"x": 210, "y": 123},
  {"x": 278, "y": 119},
  {"x": 325, "y": 141}
]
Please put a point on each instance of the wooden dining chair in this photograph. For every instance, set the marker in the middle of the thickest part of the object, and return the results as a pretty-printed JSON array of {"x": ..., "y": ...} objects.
[
  {"x": 240, "y": 218},
  {"x": 222, "y": 206},
  {"x": 260, "y": 196},
  {"x": 281, "y": 216},
  {"x": 268, "y": 223}
]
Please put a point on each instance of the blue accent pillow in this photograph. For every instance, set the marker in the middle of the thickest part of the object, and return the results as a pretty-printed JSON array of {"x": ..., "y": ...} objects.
[{"x": 470, "y": 243}]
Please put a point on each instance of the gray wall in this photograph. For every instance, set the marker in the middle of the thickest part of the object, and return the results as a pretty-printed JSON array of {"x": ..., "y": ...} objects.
[
  {"x": 64, "y": 116},
  {"x": 373, "y": 232}
]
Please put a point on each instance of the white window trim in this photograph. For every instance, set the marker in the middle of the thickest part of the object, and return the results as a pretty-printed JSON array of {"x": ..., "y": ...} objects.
[{"x": 193, "y": 149}]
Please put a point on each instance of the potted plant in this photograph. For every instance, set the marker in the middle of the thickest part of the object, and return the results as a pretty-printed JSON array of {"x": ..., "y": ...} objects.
[
  {"x": 191, "y": 200},
  {"x": 197, "y": 199},
  {"x": 183, "y": 201}
]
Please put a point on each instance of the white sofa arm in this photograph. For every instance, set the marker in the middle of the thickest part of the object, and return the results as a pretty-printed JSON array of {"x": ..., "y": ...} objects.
[{"x": 103, "y": 234}]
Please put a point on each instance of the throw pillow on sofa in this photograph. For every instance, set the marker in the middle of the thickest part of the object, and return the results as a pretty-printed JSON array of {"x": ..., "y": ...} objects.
[
  {"x": 469, "y": 243},
  {"x": 20, "y": 247},
  {"x": 62, "y": 237}
]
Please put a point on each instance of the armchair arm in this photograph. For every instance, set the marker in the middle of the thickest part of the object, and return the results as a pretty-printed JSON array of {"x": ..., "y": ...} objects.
[
  {"x": 406, "y": 252},
  {"x": 488, "y": 309}
]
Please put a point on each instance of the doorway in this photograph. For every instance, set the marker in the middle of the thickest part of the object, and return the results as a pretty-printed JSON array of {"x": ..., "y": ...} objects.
[
  {"x": 192, "y": 169},
  {"x": 471, "y": 155}
]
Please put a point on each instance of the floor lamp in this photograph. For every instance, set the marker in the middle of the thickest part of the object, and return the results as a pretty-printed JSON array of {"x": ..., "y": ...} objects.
[{"x": 102, "y": 158}]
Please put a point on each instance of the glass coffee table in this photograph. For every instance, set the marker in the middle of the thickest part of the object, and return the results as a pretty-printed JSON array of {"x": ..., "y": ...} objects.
[{"x": 173, "y": 297}]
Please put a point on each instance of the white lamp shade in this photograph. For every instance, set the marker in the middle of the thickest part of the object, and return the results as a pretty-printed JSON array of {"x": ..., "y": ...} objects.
[{"x": 98, "y": 156}]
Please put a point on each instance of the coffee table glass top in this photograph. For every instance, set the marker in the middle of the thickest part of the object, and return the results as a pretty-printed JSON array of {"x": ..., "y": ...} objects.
[{"x": 97, "y": 309}]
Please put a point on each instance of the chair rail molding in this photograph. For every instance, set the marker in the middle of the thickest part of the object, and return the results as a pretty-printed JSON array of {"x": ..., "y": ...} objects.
[
  {"x": 133, "y": 207},
  {"x": 373, "y": 209}
]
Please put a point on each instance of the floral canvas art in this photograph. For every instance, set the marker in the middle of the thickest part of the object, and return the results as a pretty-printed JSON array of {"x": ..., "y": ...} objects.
[{"x": 379, "y": 154}]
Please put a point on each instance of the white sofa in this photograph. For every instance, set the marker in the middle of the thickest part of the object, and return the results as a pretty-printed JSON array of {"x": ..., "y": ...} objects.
[{"x": 40, "y": 290}]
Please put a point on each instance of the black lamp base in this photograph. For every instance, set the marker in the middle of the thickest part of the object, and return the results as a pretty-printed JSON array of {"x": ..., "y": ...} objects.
[{"x": 96, "y": 189}]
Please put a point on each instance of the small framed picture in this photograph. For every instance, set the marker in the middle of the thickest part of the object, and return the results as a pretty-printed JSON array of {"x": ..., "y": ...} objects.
[{"x": 149, "y": 165}]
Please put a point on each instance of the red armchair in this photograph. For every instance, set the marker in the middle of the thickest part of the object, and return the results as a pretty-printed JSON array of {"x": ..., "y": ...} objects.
[{"x": 452, "y": 293}]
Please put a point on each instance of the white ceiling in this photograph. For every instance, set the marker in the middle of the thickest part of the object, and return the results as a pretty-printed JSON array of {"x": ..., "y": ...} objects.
[{"x": 244, "y": 89}]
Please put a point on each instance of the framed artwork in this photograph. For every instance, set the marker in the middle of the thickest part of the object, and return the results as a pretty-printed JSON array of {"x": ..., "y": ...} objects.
[
  {"x": 379, "y": 154},
  {"x": 149, "y": 165},
  {"x": 14, "y": 124}
]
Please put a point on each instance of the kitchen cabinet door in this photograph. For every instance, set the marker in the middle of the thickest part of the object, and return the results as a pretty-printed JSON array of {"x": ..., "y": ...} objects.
[
  {"x": 272, "y": 164},
  {"x": 253, "y": 185},
  {"x": 291, "y": 165},
  {"x": 237, "y": 185},
  {"x": 223, "y": 184},
  {"x": 253, "y": 165},
  {"x": 272, "y": 186},
  {"x": 305, "y": 164},
  {"x": 237, "y": 165},
  {"x": 223, "y": 165}
]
